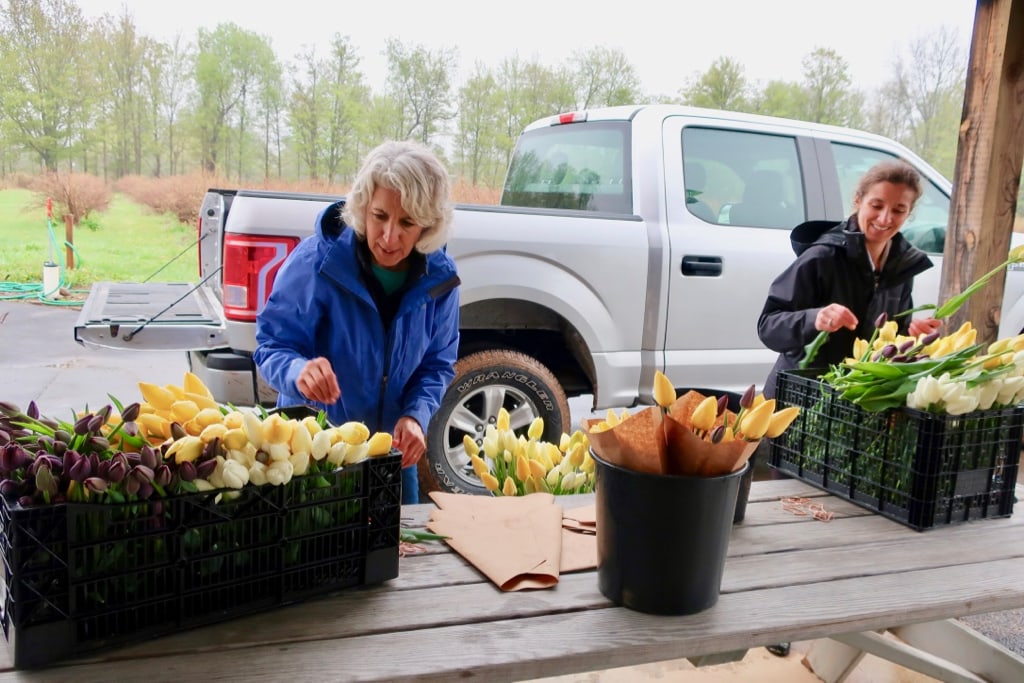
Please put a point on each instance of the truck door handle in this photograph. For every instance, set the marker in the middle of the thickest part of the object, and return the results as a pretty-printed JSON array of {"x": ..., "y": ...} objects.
[{"x": 703, "y": 266}]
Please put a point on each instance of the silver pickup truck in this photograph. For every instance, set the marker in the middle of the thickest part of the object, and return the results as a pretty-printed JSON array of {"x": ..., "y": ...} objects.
[{"x": 629, "y": 239}]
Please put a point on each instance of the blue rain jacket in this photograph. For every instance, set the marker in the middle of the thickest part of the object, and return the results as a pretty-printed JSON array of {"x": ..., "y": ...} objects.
[{"x": 319, "y": 306}]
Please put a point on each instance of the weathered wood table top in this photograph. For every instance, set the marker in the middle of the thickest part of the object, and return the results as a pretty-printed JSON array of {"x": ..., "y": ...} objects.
[{"x": 787, "y": 578}]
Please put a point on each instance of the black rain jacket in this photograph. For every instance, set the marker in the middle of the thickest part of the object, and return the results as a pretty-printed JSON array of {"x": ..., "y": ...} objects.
[{"x": 833, "y": 266}]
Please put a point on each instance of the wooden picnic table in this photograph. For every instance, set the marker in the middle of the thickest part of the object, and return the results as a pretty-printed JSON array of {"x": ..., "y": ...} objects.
[{"x": 788, "y": 577}]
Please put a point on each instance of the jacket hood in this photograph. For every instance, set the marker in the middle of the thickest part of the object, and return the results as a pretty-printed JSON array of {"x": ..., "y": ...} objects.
[
  {"x": 821, "y": 232},
  {"x": 329, "y": 224}
]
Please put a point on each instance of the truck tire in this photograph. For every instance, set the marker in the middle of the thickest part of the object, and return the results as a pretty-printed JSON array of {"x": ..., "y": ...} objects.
[{"x": 485, "y": 382}]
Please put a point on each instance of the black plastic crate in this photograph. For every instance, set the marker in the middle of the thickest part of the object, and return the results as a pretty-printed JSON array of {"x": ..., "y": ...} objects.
[
  {"x": 80, "y": 577},
  {"x": 918, "y": 468}
]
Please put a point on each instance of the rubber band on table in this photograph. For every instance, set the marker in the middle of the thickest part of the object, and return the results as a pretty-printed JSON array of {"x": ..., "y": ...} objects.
[
  {"x": 804, "y": 507},
  {"x": 405, "y": 549}
]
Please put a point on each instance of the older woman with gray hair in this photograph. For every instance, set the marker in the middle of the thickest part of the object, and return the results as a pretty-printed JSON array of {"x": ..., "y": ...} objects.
[{"x": 363, "y": 318}]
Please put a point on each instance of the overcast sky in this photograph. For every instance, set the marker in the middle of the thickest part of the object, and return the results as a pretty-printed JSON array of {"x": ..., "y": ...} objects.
[{"x": 667, "y": 41}]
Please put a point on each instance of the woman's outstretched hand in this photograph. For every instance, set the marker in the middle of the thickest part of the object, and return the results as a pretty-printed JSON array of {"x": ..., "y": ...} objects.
[
  {"x": 409, "y": 440},
  {"x": 317, "y": 382}
]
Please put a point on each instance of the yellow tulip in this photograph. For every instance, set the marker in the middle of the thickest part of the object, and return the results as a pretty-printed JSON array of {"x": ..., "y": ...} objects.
[
  {"x": 780, "y": 420},
  {"x": 157, "y": 396},
  {"x": 537, "y": 469},
  {"x": 536, "y": 429},
  {"x": 522, "y": 468},
  {"x": 756, "y": 422},
  {"x": 703, "y": 418},
  {"x": 193, "y": 384},
  {"x": 509, "y": 487},
  {"x": 379, "y": 444},
  {"x": 502, "y": 423},
  {"x": 489, "y": 481},
  {"x": 479, "y": 466},
  {"x": 354, "y": 433},
  {"x": 471, "y": 446},
  {"x": 664, "y": 392}
]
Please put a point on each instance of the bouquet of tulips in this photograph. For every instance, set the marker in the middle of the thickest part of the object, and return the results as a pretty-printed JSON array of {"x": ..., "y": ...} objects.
[
  {"x": 515, "y": 465},
  {"x": 950, "y": 374},
  {"x": 175, "y": 441},
  {"x": 690, "y": 434}
]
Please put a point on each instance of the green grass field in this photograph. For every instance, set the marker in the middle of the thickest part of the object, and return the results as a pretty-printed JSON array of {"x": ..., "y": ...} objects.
[{"x": 128, "y": 244}]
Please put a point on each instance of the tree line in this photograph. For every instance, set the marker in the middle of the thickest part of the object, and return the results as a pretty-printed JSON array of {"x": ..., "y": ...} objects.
[{"x": 93, "y": 95}]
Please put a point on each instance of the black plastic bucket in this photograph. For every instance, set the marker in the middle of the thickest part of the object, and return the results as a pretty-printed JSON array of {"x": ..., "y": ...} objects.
[{"x": 662, "y": 539}]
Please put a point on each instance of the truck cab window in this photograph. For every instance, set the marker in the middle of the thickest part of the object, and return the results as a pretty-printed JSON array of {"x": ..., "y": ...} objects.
[
  {"x": 572, "y": 167},
  {"x": 926, "y": 226},
  {"x": 750, "y": 179}
]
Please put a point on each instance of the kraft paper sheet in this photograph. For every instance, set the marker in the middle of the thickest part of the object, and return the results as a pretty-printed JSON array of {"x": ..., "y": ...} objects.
[{"x": 518, "y": 542}]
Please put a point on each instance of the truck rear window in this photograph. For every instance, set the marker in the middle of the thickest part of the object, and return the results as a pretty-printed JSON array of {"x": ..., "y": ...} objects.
[{"x": 580, "y": 166}]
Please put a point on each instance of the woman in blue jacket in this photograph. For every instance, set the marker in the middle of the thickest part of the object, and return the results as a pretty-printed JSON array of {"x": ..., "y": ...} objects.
[{"x": 363, "y": 318}]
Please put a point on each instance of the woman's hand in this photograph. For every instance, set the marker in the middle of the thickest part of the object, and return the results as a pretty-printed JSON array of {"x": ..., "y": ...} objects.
[
  {"x": 317, "y": 382},
  {"x": 833, "y": 317},
  {"x": 923, "y": 326},
  {"x": 408, "y": 439}
]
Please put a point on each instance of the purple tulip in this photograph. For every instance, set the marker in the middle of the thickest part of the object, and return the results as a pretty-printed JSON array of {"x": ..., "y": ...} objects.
[
  {"x": 80, "y": 470},
  {"x": 147, "y": 457},
  {"x": 95, "y": 423},
  {"x": 10, "y": 488},
  {"x": 118, "y": 469},
  {"x": 206, "y": 468},
  {"x": 131, "y": 412},
  {"x": 132, "y": 486},
  {"x": 187, "y": 471},
  {"x": 723, "y": 403},
  {"x": 82, "y": 424},
  {"x": 881, "y": 320},
  {"x": 142, "y": 473},
  {"x": 930, "y": 338},
  {"x": 9, "y": 409},
  {"x": 747, "y": 399},
  {"x": 98, "y": 443},
  {"x": 162, "y": 475},
  {"x": 33, "y": 410},
  {"x": 96, "y": 484}
]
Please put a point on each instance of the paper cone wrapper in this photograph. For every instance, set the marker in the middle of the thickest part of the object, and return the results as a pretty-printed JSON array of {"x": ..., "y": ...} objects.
[
  {"x": 636, "y": 443},
  {"x": 691, "y": 456}
]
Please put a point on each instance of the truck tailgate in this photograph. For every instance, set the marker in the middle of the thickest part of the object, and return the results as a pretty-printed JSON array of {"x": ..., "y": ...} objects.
[{"x": 150, "y": 316}]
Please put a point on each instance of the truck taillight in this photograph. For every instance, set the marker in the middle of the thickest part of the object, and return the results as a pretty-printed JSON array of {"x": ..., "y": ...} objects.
[{"x": 250, "y": 265}]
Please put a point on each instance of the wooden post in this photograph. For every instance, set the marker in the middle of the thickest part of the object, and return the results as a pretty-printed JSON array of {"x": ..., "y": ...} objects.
[
  {"x": 988, "y": 165},
  {"x": 69, "y": 241}
]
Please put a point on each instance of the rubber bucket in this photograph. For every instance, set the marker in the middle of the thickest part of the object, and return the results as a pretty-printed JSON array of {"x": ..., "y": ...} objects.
[{"x": 662, "y": 539}]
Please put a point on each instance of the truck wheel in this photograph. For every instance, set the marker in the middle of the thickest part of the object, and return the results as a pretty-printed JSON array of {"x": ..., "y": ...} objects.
[{"x": 485, "y": 382}]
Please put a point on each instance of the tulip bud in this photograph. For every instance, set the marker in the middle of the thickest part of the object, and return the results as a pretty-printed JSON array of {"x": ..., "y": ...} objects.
[
  {"x": 132, "y": 486},
  {"x": 80, "y": 470},
  {"x": 131, "y": 412},
  {"x": 723, "y": 404},
  {"x": 62, "y": 435},
  {"x": 881, "y": 320},
  {"x": 118, "y": 469},
  {"x": 82, "y": 425},
  {"x": 664, "y": 392},
  {"x": 906, "y": 346},
  {"x": 98, "y": 444},
  {"x": 9, "y": 409},
  {"x": 206, "y": 468},
  {"x": 177, "y": 431},
  {"x": 95, "y": 484},
  {"x": 747, "y": 399},
  {"x": 147, "y": 457},
  {"x": 33, "y": 410},
  {"x": 186, "y": 471},
  {"x": 96, "y": 422},
  {"x": 888, "y": 351},
  {"x": 717, "y": 433},
  {"x": 930, "y": 338},
  {"x": 162, "y": 475},
  {"x": 10, "y": 488}
]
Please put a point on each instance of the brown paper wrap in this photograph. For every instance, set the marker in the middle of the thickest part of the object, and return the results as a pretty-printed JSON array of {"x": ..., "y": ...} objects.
[
  {"x": 635, "y": 443},
  {"x": 649, "y": 441},
  {"x": 518, "y": 542}
]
